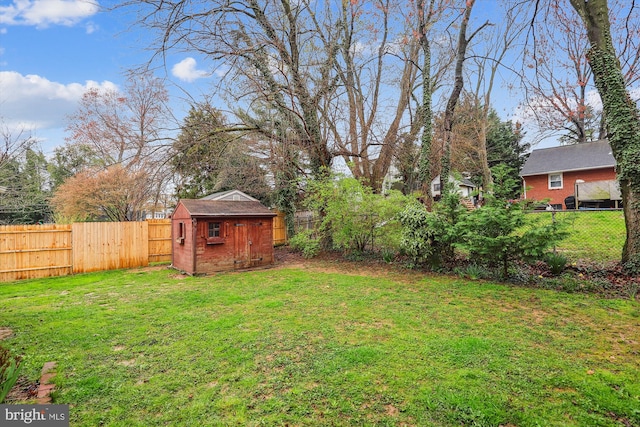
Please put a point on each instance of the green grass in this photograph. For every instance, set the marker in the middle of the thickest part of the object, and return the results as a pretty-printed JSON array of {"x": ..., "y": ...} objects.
[
  {"x": 297, "y": 347},
  {"x": 593, "y": 235}
]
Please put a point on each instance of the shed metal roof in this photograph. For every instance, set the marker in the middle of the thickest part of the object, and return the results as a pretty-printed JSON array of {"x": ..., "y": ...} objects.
[
  {"x": 202, "y": 208},
  {"x": 591, "y": 155}
]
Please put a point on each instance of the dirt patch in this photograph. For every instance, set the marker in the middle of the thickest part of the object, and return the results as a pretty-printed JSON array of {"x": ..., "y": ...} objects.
[
  {"x": 5, "y": 333},
  {"x": 335, "y": 262}
]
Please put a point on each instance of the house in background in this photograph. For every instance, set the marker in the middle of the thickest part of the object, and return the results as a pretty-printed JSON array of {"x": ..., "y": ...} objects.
[
  {"x": 230, "y": 196},
  {"x": 584, "y": 173},
  {"x": 464, "y": 187},
  {"x": 226, "y": 231}
]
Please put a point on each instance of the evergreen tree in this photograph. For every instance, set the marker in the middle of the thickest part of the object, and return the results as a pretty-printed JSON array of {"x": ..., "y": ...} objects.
[
  {"x": 505, "y": 147},
  {"x": 24, "y": 189},
  {"x": 208, "y": 157}
]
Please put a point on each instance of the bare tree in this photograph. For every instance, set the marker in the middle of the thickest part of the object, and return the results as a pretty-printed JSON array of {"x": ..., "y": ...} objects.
[
  {"x": 461, "y": 51},
  {"x": 488, "y": 58},
  {"x": 14, "y": 143},
  {"x": 377, "y": 73},
  {"x": 122, "y": 127},
  {"x": 558, "y": 79},
  {"x": 428, "y": 13},
  {"x": 272, "y": 53},
  {"x": 128, "y": 129}
]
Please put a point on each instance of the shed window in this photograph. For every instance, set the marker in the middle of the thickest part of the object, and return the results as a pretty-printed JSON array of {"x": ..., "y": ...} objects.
[
  {"x": 181, "y": 233},
  {"x": 555, "y": 180},
  {"x": 214, "y": 229}
]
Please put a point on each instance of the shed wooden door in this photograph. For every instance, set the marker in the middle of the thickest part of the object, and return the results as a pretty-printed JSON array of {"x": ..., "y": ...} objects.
[
  {"x": 248, "y": 243},
  {"x": 241, "y": 258},
  {"x": 256, "y": 255}
]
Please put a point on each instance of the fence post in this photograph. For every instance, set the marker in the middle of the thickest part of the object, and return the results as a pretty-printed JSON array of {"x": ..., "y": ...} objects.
[{"x": 553, "y": 221}]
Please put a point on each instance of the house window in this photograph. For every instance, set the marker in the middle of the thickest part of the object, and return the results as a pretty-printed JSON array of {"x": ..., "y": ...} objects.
[
  {"x": 214, "y": 229},
  {"x": 436, "y": 186},
  {"x": 555, "y": 180}
]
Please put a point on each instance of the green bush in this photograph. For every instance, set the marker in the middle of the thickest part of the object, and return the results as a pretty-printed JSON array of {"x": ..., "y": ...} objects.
[
  {"x": 493, "y": 234},
  {"x": 305, "y": 243},
  {"x": 353, "y": 218},
  {"x": 430, "y": 237},
  {"x": 9, "y": 370}
]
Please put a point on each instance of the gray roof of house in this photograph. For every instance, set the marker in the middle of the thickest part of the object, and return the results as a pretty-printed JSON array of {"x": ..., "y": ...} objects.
[
  {"x": 235, "y": 195},
  {"x": 590, "y": 155},
  {"x": 208, "y": 208},
  {"x": 467, "y": 182}
]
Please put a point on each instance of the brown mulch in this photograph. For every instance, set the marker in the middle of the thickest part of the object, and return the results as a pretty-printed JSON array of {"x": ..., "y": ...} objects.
[{"x": 23, "y": 390}]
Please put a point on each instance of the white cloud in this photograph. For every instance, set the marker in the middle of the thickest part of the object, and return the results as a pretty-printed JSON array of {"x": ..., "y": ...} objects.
[
  {"x": 92, "y": 27},
  {"x": 42, "y": 13},
  {"x": 33, "y": 102},
  {"x": 186, "y": 70}
]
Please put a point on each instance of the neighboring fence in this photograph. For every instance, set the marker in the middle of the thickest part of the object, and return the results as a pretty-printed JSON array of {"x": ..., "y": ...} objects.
[
  {"x": 594, "y": 235},
  {"x": 279, "y": 230},
  {"x": 35, "y": 251}
]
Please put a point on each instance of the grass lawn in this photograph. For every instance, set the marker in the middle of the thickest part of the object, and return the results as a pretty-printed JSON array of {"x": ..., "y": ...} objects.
[
  {"x": 593, "y": 235},
  {"x": 296, "y": 346}
]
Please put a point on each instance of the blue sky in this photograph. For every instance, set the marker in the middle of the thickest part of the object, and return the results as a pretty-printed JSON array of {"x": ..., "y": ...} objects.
[{"x": 52, "y": 51}]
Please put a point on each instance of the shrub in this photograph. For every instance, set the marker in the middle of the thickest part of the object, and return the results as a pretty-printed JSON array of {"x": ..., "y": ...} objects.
[
  {"x": 493, "y": 234},
  {"x": 556, "y": 263},
  {"x": 9, "y": 370},
  {"x": 388, "y": 255},
  {"x": 353, "y": 217},
  {"x": 430, "y": 237},
  {"x": 305, "y": 243}
]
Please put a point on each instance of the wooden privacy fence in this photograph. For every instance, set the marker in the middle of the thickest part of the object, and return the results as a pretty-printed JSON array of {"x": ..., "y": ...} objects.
[
  {"x": 159, "y": 240},
  {"x": 279, "y": 230},
  {"x": 34, "y": 251}
]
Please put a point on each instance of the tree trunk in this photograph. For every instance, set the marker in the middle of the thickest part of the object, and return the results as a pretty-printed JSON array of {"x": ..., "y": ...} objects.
[
  {"x": 622, "y": 119},
  {"x": 426, "y": 113},
  {"x": 461, "y": 52}
]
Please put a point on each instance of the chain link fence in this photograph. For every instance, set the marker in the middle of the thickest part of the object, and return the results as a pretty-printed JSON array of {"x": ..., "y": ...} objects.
[{"x": 594, "y": 235}]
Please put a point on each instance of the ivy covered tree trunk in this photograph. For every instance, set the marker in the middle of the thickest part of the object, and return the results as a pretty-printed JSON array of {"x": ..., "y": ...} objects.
[
  {"x": 622, "y": 119},
  {"x": 424, "y": 165}
]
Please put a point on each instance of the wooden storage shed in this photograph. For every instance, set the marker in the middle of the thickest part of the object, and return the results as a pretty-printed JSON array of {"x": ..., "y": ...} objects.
[{"x": 220, "y": 234}]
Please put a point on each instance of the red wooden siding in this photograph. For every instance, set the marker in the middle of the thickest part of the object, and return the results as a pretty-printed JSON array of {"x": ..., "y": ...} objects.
[{"x": 182, "y": 248}]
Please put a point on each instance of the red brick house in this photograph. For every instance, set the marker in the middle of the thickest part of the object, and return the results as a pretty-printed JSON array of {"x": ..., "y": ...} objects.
[
  {"x": 557, "y": 173},
  {"x": 228, "y": 232}
]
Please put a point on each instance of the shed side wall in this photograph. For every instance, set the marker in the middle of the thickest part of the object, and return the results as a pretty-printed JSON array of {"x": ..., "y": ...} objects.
[{"x": 182, "y": 249}]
